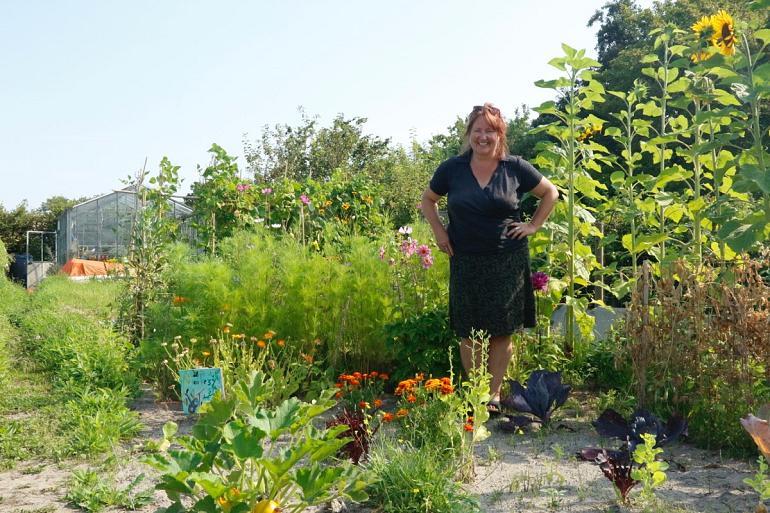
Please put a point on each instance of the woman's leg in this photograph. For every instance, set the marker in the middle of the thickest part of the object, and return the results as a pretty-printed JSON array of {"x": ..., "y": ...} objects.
[{"x": 500, "y": 352}]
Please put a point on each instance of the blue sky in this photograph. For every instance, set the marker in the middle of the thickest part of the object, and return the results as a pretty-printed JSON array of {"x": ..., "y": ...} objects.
[{"x": 90, "y": 89}]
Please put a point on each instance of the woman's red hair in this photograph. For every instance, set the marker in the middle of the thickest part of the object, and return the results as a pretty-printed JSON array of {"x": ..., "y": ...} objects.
[{"x": 494, "y": 117}]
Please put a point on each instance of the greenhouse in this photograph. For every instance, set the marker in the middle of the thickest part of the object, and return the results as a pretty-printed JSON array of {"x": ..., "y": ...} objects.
[{"x": 100, "y": 228}]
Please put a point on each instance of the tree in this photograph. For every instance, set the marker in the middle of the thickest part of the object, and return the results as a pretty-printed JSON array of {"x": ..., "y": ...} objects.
[{"x": 306, "y": 151}]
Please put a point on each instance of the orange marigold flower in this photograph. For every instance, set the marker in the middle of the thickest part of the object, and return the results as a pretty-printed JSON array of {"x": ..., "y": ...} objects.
[
  {"x": 432, "y": 384},
  {"x": 384, "y": 376},
  {"x": 403, "y": 412},
  {"x": 373, "y": 374},
  {"x": 338, "y": 385},
  {"x": 377, "y": 403},
  {"x": 357, "y": 375},
  {"x": 205, "y": 353},
  {"x": 419, "y": 376},
  {"x": 226, "y": 329},
  {"x": 222, "y": 500},
  {"x": 178, "y": 300},
  {"x": 405, "y": 386},
  {"x": 411, "y": 398},
  {"x": 338, "y": 395},
  {"x": 363, "y": 405},
  {"x": 447, "y": 389},
  {"x": 387, "y": 417},
  {"x": 270, "y": 334},
  {"x": 354, "y": 382},
  {"x": 469, "y": 420},
  {"x": 281, "y": 342},
  {"x": 468, "y": 427},
  {"x": 261, "y": 344},
  {"x": 308, "y": 358}
]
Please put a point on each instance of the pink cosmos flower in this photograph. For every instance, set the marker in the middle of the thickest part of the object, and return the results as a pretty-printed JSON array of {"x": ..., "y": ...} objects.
[
  {"x": 304, "y": 199},
  {"x": 540, "y": 281},
  {"x": 267, "y": 190},
  {"x": 242, "y": 187},
  {"x": 427, "y": 261},
  {"x": 423, "y": 250},
  {"x": 405, "y": 230},
  {"x": 382, "y": 253}
]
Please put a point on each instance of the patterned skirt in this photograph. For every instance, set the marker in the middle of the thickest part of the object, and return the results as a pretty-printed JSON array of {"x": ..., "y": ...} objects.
[{"x": 491, "y": 293}]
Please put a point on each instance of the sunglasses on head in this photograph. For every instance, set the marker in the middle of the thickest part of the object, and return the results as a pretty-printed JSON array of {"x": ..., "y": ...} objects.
[{"x": 479, "y": 108}]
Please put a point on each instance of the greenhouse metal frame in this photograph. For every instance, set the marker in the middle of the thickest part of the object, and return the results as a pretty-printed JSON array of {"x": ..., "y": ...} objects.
[{"x": 100, "y": 228}]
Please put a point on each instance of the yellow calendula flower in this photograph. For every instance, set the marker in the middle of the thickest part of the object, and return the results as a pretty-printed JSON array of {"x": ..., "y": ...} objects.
[
  {"x": 724, "y": 32},
  {"x": 345, "y": 206}
]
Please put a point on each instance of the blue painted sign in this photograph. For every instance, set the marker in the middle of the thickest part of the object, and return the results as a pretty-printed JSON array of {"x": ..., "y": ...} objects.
[{"x": 198, "y": 386}]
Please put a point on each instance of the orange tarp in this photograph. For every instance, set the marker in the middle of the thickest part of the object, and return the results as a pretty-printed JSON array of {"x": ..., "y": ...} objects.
[{"x": 78, "y": 267}]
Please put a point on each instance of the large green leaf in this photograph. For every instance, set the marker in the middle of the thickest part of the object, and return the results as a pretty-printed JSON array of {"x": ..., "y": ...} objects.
[
  {"x": 214, "y": 415},
  {"x": 212, "y": 484},
  {"x": 742, "y": 234},
  {"x": 643, "y": 242},
  {"x": 751, "y": 178},
  {"x": 244, "y": 441}
]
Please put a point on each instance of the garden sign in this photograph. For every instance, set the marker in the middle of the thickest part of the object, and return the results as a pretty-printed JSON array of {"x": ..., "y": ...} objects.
[{"x": 198, "y": 386}]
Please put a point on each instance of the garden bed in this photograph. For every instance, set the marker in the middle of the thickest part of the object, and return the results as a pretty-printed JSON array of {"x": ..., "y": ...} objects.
[{"x": 534, "y": 471}]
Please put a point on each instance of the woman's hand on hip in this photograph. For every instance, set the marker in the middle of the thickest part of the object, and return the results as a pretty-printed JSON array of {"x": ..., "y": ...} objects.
[
  {"x": 520, "y": 230},
  {"x": 442, "y": 241}
]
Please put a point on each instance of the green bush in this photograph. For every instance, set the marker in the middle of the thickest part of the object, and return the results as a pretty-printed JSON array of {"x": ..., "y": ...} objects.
[
  {"x": 420, "y": 343},
  {"x": 332, "y": 305}
]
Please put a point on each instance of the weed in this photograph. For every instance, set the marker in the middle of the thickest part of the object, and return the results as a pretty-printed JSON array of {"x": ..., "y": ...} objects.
[
  {"x": 558, "y": 452},
  {"x": 414, "y": 480},
  {"x": 33, "y": 470},
  {"x": 92, "y": 492}
]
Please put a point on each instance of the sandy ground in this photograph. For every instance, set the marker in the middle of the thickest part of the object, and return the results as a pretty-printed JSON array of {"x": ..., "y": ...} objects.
[{"x": 530, "y": 472}]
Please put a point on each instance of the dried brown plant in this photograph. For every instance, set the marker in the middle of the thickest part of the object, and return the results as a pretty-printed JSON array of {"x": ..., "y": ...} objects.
[{"x": 694, "y": 332}]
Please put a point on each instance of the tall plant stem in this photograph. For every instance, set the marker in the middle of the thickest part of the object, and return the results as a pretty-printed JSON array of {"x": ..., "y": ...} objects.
[
  {"x": 570, "y": 317},
  {"x": 663, "y": 107},
  {"x": 697, "y": 188},
  {"x": 717, "y": 187},
  {"x": 756, "y": 129},
  {"x": 630, "y": 186}
]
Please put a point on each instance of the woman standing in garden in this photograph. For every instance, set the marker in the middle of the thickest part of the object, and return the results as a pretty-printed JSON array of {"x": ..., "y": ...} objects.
[{"x": 486, "y": 239}]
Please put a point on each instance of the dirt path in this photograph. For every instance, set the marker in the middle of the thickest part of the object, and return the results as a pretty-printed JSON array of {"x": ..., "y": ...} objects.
[{"x": 530, "y": 472}]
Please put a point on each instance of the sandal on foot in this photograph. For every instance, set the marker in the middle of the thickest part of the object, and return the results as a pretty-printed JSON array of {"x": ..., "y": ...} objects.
[{"x": 493, "y": 408}]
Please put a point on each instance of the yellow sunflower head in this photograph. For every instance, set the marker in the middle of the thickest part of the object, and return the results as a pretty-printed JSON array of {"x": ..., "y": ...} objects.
[
  {"x": 724, "y": 32},
  {"x": 702, "y": 26}
]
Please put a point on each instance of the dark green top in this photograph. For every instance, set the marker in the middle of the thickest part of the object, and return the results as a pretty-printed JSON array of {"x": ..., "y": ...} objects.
[{"x": 478, "y": 217}]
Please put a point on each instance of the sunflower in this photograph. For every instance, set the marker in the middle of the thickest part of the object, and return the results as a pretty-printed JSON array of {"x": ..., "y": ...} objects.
[
  {"x": 724, "y": 32},
  {"x": 699, "y": 56},
  {"x": 702, "y": 25}
]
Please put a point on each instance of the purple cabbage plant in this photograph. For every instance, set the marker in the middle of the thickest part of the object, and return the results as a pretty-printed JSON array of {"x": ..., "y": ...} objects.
[
  {"x": 543, "y": 395},
  {"x": 612, "y": 424}
]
